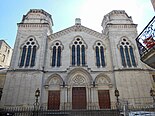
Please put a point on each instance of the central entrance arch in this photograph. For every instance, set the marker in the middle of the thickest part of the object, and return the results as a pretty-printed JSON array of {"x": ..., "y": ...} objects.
[{"x": 79, "y": 81}]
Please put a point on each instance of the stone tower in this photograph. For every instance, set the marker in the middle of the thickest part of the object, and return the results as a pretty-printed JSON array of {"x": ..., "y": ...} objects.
[
  {"x": 25, "y": 73},
  {"x": 128, "y": 71}
]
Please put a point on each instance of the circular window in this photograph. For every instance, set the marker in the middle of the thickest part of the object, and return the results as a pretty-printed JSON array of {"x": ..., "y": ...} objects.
[
  {"x": 127, "y": 43},
  {"x": 80, "y": 42},
  {"x": 57, "y": 44},
  {"x": 32, "y": 43},
  {"x": 75, "y": 42},
  {"x": 122, "y": 43},
  {"x": 98, "y": 44},
  {"x": 124, "y": 39},
  {"x": 31, "y": 39},
  {"x": 27, "y": 43},
  {"x": 78, "y": 39}
]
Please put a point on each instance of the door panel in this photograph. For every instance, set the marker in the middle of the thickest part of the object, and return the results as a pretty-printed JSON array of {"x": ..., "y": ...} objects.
[
  {"x": 53, "y": 100},
  {"x": 104, "y": 99},
  {"x": 79, "y": 98}
]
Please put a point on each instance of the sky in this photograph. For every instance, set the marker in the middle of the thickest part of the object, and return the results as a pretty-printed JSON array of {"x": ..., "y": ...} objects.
[{"x": 64, "y": 13}]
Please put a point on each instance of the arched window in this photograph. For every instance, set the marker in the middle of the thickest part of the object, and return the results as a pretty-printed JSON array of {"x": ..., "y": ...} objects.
[
  {"x": 127, "y": 53},
  {"x": 132, "y": 56},
  {"x": 73, "y": 55},
  {"x": 23, "y": 56},
  {"x": 59, "y": 56},
  {"x": 97, "y": 57},
  {"x": 102, "y": 56},
  {"x": 83, "y": 55},
  {"x": 28, "y": 56},
  {"x": 54, "y": 56},
  {"x": 78, "y": 48},
  {"x": 99, "y": 52},
  {"x": 33, "y": 56},
  {"x": 122, "y": 56},
  {"x": 56, "y": 53},
  {"x": 28, "y": 53}
]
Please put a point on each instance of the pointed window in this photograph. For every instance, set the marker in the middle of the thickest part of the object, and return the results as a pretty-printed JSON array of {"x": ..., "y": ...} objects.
[
  {"x": 33, "y": 56},
  {"x": 28, "y": 53},
  {"x": 73, "y": 55},
  {"x": 99, "y": 52},
  {"x": 56, "y": 53},
  {"x": 127, "y": 53},
  {"x": 23, "y": 56},
  {"x": 78, "y": 48},
  {"x": 54, "y": 56},
  {"x": 122, "y": 56},
  {"x": 132, "y": 56},
  {"x": 102, "y": 56},
  {"x": 28, "y": 56},
  {"x": 59, "y": 56},
  {"x": 83, "y": 55},
  {"x": 97, "y": 57}
]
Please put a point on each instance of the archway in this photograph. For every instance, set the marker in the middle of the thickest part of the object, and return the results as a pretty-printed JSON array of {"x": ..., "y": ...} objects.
[{"x": 79, "y": 81}]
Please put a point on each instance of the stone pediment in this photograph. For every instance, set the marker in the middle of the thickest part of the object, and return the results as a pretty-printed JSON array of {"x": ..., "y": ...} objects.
[{"x": 77, "y": 28}]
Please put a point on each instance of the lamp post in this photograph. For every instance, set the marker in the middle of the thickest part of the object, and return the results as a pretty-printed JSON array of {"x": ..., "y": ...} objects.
[
  {"x": 0, "y": 93},
  {"x": 152, "y": 94},
  {"x": 37, "y": 95},
  {"x": 117, "y": 95}
]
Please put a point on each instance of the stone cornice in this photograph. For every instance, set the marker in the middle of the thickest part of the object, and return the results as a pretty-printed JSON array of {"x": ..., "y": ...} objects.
[
  {"x": 134, "y": 69},
  {"x": 33, "y": 25},
  {"x": 121, "y": 25},
  {"x": 35, "y": 70},
  {"x": 77, "y": 28}
]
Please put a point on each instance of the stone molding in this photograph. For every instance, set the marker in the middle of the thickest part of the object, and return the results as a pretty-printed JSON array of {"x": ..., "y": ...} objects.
[
  {"x": 122, "y": 25},
  {"x": 77, "y": 28},
  {"x": 33, "y": 25}
]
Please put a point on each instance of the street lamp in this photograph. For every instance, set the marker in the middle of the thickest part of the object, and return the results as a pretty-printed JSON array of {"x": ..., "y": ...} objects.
[
  {"x": 37, "y": 95},
  {"x": 117, "y": 95},
  {"x": 152, "y": 94}
]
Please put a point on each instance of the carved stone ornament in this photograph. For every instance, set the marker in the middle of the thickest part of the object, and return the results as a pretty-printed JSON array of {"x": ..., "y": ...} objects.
[
  {"x": 55, "y": 81},
  {"x": 102, "y": 81},
  {"x": 78, "y": 80}
]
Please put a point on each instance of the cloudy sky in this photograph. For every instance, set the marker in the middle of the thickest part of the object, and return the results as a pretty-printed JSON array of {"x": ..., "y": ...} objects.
[{"x": 64, "y": 13}]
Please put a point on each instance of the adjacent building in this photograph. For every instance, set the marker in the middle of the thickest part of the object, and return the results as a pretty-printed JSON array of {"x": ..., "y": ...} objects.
[
  {"x": 5, "y": 54},
  {"x": 153, "y": 3},
  {"x": 76, "y": 68}
]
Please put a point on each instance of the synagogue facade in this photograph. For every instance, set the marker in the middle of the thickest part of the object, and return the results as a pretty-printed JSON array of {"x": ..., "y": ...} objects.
[{"x": 76, "y": 68}]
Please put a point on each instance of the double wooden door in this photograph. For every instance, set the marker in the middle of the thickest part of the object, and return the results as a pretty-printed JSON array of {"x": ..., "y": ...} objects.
[
  {"x": 104, "y": 99},
  {"x": 53, "y": 100},
  {"x": 78, "y": 98}
]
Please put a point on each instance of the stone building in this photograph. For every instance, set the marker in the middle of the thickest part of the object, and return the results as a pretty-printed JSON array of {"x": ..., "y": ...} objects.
[
  {"x": 153, "y": 3},
  {"x": 76, "y": 68},
  {"x": 5, "y": 54}
]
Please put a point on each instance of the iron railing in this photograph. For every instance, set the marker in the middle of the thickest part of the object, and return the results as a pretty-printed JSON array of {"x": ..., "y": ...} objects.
[
  {"x": 146, "y": 39},
  {"x": 45, "y": 112}
]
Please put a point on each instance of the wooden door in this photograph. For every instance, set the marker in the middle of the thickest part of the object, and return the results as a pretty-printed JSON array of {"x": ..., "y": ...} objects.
[
  {"x": 53, "y": 100},
  {"x": 79, "y": 98},
  {"x": 104, "y": 99}
]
